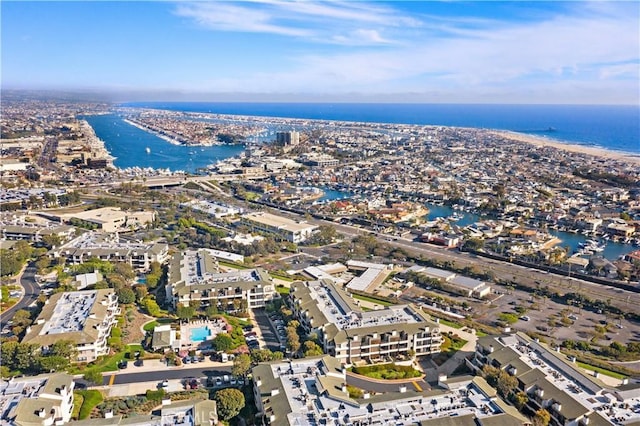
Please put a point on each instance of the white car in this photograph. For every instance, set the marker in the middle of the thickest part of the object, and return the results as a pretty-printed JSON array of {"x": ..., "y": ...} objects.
[{"x": 525, "y": 318}]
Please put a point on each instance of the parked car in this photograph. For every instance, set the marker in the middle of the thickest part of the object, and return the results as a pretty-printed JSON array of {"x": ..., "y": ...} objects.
[{"x": 123, "y": 364}]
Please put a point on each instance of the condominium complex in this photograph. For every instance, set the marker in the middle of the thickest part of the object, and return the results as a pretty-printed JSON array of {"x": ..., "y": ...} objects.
[
  {"x": 139, "y": 255},
  {"x": 278, "y": 226},
  {"x": 35, "y": 233},
  {"x": 37, "y": 401},
  {"x": 555, "y": 382},
  {"x": 84, "y": 317},
  {"x": 110, "y": 219},
  {"x": 194, "y": 275},
  {"x": 351, "y": 334},
  {"x": 313, "y": 391}
]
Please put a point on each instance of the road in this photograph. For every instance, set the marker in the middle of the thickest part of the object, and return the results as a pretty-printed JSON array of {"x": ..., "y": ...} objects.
[
  {"x": 625, "y": 300},
  {"x": 159, "y": 374},
  {"x": 31, "y": 293}
]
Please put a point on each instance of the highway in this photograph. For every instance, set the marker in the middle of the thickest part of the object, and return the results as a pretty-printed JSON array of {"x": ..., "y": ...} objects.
[
  {"x": 625, "y": 300},
  {"x": 31, "y": 293}
]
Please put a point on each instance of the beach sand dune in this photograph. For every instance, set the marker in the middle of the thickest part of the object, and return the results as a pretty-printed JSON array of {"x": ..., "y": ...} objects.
[{"x": 587, "y": 150}]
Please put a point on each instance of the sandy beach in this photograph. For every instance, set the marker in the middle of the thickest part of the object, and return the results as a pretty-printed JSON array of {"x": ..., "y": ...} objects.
[{"x": 588, "y": 150}]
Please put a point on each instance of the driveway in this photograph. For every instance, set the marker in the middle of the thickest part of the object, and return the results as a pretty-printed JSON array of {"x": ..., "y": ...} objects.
[{"x": 266, "y": 328}]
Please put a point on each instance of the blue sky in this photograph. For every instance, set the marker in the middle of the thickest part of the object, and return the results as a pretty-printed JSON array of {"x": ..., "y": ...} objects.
[{"x": 414, "y": 51}]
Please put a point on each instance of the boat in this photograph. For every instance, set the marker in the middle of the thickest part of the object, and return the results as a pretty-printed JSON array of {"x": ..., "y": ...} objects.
[
  {"x": 148, "y": 150},
  {"x": 593, "y": 246},
  {"x": 455, "y": 217}
]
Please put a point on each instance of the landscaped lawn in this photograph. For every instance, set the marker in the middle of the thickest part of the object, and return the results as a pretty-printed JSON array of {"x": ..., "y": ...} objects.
[
  {"x": 282, "y": 290},
  {"x": 450, "y": 323},
  {"x": 151, "y": 325},
  {"x": 109, "y": 363},
  {"x": 281, "y": 277},
  {"x": 601, "y": 370},
  {"x": 372, "y": 300},
  {"x": 232, "y": 265},
  {"x": 91, "y": 398},
  {"x": 387, "y": 371}
]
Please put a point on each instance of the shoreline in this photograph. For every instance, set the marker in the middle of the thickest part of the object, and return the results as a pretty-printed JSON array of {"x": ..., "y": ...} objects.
[
  {"x": 164, "y": 137},
  {"x": 541, "y": 142},
  {"x": 538, "y": 141}
]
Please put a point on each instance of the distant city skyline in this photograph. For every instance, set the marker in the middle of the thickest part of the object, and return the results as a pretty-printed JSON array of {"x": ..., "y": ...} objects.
[{"x": 285, "y": 51}]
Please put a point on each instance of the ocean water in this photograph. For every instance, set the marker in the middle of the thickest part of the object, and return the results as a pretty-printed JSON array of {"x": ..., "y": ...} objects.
[
  {"x": 614, "y": 127},
  {"x": 128, "y": 144}
]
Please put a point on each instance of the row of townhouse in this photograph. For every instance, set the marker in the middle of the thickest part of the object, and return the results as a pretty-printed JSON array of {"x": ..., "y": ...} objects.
[
  {"x": 554, "y": 382},
  {"x": 351, "y": 334}
]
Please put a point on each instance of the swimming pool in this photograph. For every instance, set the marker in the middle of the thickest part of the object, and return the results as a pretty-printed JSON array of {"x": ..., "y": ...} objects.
[{"x": 200, "y": 334}]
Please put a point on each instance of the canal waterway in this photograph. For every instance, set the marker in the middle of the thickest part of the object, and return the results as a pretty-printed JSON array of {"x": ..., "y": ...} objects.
[
  {"x": 129, "y": 145},
  {"x": 612, "y": 250}
]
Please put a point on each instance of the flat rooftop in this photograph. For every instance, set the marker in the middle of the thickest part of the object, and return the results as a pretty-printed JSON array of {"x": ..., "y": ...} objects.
[
  {"x": 571, "y": 386},
  {"x": 339, "y": 313},
  {"x": 316, "y": 398},
  {"x": 278, "y": 221},
  {"x": 199, "y": 267},
  {"x": 70, "y": 313}
]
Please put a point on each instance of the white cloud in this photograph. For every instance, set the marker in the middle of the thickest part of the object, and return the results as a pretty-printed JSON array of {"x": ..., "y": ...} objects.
[
  {"x": 580, "y": 49},
  {"x": 324, "y": 22},
  {"x": 230, "y": 17}
]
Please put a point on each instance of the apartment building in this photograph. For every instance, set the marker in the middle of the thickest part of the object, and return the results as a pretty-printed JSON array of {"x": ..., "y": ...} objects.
[
  {"x": 138, "y": 254},
  {"x": 110, "y": 219},
  {"x": 194, "y": 275},
  {"x": 554, "y": 382},
  {"x": 84, "y": 317},
  {"x": 282, "y": 228},
  {"x": 351, "y": 334},
  {"x": 314, "y": 391},
  {"x": 43, "y": 400}
]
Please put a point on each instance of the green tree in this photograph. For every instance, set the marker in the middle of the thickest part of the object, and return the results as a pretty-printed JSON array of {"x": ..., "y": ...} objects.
[
  {"x": 222, "y": 342},
  {"x": 64, "y": 348},
  {"x": 8, "y": 353},
  {"x": 141, "y": 292},
  {"x": 185, "y": 312},
  {"x": 52, "y": 363},
  {"x": 151, "y": 306},
  {"x": 293, "y": 340},
  {"x": 312, "y": 349},
  {"x": 241, "y": 365},
  {"x": 51, "y": 241},
  {"x": 541, "y": 418},
  {"x": 229, "y": 403},
  {"x": 211, "y": 311},
  {"x": 126, "y": 295},
  {"x": 506, "y": 384},
  {"x": 25, "y": 356},
  {"x": 520, "y": 400},
  {"x": 93, "y": 376}
]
